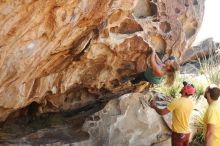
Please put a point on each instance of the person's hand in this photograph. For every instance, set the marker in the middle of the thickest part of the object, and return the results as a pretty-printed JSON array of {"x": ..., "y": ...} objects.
[{"x": 153, "y": 103}]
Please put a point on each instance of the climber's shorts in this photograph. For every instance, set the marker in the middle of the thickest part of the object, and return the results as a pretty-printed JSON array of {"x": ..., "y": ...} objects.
[{"x": 179, "y": 139}]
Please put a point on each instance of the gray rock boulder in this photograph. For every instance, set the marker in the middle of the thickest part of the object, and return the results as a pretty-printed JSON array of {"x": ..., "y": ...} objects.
[{"x": 128, "y": 121}]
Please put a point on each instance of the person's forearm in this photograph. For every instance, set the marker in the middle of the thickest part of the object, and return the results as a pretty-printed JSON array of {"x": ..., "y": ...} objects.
[
  {"x": 155, "y": 68},
  {"x": 208, "y": 139},
  {"x": 158, "y": 59},
  {"x": 159, "y": 111},
  {"x": 153, "y": 62}
]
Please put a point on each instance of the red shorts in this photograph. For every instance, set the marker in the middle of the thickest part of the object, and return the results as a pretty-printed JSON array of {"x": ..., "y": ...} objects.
[{"x": 179, "y": 139}]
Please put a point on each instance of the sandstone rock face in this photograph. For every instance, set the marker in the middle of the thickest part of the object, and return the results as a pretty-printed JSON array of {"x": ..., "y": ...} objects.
[
  {"x": 128, "y": 121},
  {"x": 61, "y": 54}
]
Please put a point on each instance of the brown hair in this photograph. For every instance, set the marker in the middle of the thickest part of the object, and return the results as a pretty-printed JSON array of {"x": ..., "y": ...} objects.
[
  {"x": 214, "y": 93},
  {"x": 171, "y": 73}
]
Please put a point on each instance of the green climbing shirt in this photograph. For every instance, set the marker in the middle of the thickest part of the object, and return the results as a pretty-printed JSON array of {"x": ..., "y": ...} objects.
[{"x": 150, "y": 77}]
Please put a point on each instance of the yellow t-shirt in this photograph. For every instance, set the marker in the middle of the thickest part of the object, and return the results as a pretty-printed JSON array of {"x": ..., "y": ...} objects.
[
  {"x": 212, "y": 116},
  {"x": 181, "y": 109}
]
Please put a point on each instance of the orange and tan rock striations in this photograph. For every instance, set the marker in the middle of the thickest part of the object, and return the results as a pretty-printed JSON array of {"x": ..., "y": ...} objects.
[{"x": 61, "y": 54}]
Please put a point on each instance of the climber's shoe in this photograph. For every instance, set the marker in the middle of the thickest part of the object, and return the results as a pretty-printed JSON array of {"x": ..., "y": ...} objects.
[{"x": 142, "y": 86}]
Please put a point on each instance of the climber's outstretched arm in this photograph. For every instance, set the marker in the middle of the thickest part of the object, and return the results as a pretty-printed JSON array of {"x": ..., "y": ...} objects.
[
  {"x": 159, "y": 111},
  {"x": 155, "y": 67},
  {"x": 158, "y": 59},
  {"x": 162, "y": 111}
]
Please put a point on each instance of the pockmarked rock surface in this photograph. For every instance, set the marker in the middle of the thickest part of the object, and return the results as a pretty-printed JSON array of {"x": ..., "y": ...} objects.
[
  {"x": 128, "y": 121},
  {"x": 58, "y": 55}
]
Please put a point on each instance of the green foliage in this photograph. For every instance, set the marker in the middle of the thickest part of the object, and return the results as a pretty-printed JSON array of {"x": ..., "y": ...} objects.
[
  {"x": 199, "y": 120},
  {"x": 214, "y": 76},
  {"x": 199, "y": 124},
  {"x": 174, "y": 90},
  {"x": 200, "y": 89},
  {"x": 210, "y": 68},
  {"x": 198, "y": 139}
]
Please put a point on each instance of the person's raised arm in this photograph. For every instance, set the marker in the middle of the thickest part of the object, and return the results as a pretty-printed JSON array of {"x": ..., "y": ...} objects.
[
  {"x": 155, "y": 67},
  {"x": 158, "y": 59}
]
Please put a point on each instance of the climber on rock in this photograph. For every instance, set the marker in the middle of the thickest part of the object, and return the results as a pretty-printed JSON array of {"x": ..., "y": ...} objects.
[
  {"x": 158, "y": 71},
  {"x": 181, "y": 109}
]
